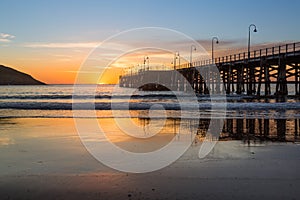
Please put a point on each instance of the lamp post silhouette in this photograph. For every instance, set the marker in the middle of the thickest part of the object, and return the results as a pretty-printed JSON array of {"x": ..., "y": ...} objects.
[
  {"x": 255, "y": 30},
  {"x": 148, "y": 67},
  {"x": 146, "y": 58},
  {"x": 250, "y": 71},
  {"x": 212, "y": 47},
  {"x": 193, "y": 48},
  {"x": 176, "y": 56}
]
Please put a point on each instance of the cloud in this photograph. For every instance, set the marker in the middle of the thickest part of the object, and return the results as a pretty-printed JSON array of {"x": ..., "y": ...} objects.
[
  {"x": 222, "y": 45},
  {"x": 5, "y": 37},
  {"x": 106, "y": 46},
  {"x": 62, "y": 45},
  {"x": 81, "y": 71}
]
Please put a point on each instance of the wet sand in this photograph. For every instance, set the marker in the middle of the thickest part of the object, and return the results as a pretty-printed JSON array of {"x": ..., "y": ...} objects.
[{"x": 44, "y": 159}]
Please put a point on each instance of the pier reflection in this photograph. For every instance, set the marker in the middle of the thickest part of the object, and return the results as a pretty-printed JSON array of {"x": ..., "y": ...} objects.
[
  {"x": 282, "y": 130},
  {"x": 244, "y": 129}
]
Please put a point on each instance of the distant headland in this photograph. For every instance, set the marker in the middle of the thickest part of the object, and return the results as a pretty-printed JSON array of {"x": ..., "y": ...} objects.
[{"x": 10, "y": 76}]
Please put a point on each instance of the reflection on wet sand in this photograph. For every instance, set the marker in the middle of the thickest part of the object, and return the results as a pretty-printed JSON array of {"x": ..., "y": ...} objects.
[
  {"x": 281, "y": 130},
  {"x": 246, "y": 130},
  {"x": 159, "y": 132},
  {"x": 151, "y": 141}
]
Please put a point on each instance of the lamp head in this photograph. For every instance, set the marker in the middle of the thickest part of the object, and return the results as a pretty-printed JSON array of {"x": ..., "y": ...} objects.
[
  {"x": 217, "y": 41},
  {"x": 255, "y": 30}
]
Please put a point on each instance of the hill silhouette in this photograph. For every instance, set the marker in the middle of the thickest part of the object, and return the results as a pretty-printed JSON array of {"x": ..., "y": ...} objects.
[{"x": 10, "y": 76}]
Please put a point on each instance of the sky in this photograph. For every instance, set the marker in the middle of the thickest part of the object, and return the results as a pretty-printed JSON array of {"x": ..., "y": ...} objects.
[{"x": 52, "y": 39}]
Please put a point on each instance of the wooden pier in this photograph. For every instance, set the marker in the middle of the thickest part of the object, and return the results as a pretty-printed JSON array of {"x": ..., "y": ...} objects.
[{"x": 263, "y": 72}]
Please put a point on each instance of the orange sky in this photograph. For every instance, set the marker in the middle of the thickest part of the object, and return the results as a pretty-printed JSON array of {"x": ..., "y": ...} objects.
[{"x": 60, "y": 63}]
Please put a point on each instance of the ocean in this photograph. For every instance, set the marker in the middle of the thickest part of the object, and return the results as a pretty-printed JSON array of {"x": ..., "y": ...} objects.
[{"x": 239, "y": 113}]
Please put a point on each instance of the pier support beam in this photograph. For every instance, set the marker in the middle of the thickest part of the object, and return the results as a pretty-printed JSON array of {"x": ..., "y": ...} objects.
[
  {"x": 297, "y": 71},
  {"x": 251, "y": 80},
  {"x": 281, "y": 86},
  {"x": 240, "y": 81},
  {"x": 228, "y": 80}
]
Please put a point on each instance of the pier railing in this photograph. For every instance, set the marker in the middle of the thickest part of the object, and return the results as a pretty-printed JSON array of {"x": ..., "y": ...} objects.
[{"x": 269, "y": 52}]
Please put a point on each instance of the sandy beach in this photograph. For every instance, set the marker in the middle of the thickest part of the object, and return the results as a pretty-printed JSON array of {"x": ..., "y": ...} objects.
[{"x": 40, "y": 160}]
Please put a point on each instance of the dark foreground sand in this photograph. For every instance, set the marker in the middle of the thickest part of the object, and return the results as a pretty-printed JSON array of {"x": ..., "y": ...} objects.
[
  {"x": 262, "y": 175},
  {"x": 56, "y": 166}
]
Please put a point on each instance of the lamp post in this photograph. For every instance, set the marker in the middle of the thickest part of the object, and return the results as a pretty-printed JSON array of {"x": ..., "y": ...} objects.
[
  {"x": 193, "y": 48},
  {"x": 212, "y": 47},
  {"x": 148, "y": 67},
  {"x": 250, "y": 71},
  {"x": 176, "y": 56},
  {"x": 145, "y": 59},
  {"x": 255, "y": 30}
]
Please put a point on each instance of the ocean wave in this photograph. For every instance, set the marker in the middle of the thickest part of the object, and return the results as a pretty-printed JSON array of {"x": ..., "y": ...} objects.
[
  {"x": 156, "y": 97},
  {"x": 150, "y": 105},
  {"x": 146, "y": 96}
]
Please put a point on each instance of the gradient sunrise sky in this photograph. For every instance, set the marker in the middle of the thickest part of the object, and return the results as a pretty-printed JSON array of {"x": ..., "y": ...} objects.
[{"x": 50, "y": 39}]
